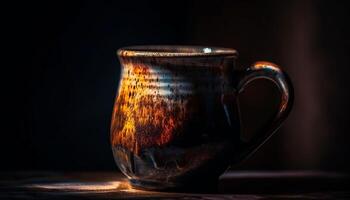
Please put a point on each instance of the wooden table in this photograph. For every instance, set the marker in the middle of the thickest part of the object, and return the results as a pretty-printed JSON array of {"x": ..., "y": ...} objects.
[{"x": 232, "y": 185}]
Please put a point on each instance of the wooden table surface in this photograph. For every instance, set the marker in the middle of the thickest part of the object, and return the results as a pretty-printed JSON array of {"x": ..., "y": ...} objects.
[{"x": 232, "y": 185}]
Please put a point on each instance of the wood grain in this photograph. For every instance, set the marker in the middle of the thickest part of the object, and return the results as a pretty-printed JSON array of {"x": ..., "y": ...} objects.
[{"x": 232, "y": 185}]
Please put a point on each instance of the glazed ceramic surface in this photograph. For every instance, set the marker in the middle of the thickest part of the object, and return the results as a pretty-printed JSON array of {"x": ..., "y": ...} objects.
[{"x": 176, "y": 119}]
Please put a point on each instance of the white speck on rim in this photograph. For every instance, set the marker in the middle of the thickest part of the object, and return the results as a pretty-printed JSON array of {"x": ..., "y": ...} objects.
[{"x": 207, "y": 50}]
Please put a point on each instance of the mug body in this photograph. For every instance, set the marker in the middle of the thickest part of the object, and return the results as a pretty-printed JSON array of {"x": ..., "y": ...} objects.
[{"x": 170, "y": 127}]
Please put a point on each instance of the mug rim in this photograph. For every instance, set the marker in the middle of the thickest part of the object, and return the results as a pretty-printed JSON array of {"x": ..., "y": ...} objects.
[{"x": 175, "y": 51}]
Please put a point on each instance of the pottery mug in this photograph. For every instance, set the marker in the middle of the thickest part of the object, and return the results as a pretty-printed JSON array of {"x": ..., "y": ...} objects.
[{"x": 176, "y": 121}]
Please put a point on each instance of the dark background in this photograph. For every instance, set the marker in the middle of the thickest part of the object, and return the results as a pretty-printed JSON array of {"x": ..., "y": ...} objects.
[{"x": 60, "y": 75}]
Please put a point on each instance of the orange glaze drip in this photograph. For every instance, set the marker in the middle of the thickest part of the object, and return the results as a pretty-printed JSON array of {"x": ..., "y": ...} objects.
[{"x": 144, "y": 117}]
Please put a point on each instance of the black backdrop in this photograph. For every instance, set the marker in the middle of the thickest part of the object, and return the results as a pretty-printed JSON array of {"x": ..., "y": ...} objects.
[{"x": 60, "y": 75}]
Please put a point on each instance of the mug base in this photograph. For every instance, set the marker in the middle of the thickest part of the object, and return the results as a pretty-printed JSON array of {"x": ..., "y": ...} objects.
[{"x": 198, "y": 187}]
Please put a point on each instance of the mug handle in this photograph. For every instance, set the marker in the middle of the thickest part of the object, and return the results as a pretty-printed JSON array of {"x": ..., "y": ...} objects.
[{"x": 272, "y": 72}]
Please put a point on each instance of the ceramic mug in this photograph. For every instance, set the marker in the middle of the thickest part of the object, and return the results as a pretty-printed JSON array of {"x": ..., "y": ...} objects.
[{"x": 176, "y": 121}]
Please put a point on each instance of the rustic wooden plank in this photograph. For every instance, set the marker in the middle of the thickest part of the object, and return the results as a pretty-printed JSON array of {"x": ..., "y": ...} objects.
[{"x": 111, "y": 185}]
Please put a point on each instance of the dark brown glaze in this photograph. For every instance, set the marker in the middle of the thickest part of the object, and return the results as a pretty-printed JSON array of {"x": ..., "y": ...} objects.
[{"x": 156, "y": 99}]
